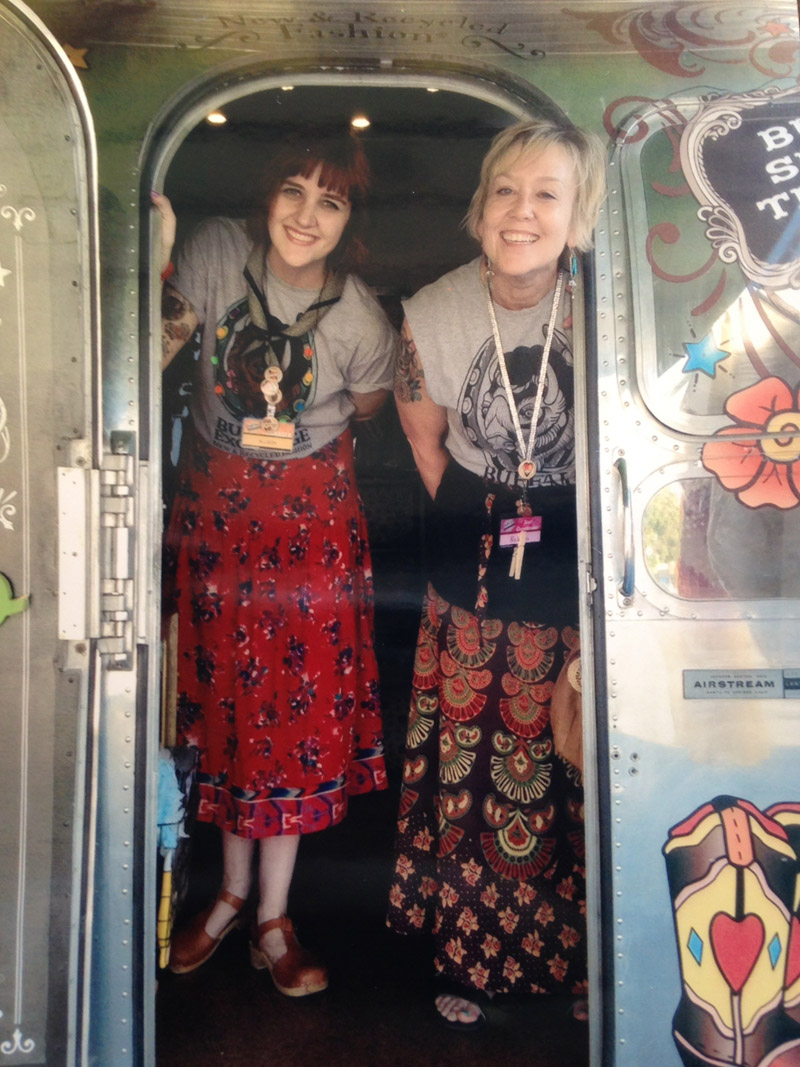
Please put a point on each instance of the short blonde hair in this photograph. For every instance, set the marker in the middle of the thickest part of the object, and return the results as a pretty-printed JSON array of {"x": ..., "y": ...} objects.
[{"x": 535, "y": 135}]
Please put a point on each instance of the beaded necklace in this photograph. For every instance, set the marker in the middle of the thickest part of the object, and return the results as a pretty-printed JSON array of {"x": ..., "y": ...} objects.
[{"x": 277, "y": 334}]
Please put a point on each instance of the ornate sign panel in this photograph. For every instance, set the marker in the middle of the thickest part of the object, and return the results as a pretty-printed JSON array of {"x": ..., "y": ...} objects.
[{"x": 741, "y": 157}]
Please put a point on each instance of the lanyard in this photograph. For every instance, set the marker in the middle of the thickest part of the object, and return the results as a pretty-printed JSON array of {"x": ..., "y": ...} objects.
[{"x": 527, "y": 467}]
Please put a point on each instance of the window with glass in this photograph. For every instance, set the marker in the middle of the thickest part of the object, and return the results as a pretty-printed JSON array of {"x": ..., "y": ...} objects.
[{"x": 713, "y": 193}]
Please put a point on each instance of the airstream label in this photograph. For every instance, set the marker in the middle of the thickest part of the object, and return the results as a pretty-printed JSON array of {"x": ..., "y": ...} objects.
[{"x": 741, "y": 684}]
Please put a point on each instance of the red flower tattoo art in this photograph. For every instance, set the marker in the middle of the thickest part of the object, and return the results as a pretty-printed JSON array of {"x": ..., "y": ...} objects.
[{"x": 765, "y": 471}]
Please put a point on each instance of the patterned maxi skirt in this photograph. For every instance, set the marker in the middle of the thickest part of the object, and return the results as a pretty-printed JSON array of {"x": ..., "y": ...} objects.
[
  {"x": 277, "y": 678},
  {"x": 489, "y": 849}
]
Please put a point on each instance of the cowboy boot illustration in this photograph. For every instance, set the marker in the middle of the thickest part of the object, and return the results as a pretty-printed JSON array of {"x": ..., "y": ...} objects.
[
  {"x": 787, "y": 814},
  {"x": 732, "y": 874}
]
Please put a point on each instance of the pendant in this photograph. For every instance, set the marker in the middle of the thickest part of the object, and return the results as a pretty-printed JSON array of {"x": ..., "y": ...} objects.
[
  {"x": 526, "y": 469},
  {"x": 273, "y": 374},
  {"x": 271, "y": 392},
  {"x": 270, "y": 424}
]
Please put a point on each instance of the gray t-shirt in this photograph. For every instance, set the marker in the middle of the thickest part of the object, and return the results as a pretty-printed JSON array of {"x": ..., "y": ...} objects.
[
  {"x": 450, "y": 324},
  {"x": 352, "y": 348}
]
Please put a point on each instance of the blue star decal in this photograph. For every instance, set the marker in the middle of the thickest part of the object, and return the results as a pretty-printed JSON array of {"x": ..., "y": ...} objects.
[{"x": 703, "y": 356}]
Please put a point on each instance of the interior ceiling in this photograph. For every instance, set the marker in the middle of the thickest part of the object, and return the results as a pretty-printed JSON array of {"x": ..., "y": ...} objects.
[{"x": 424, "y": 148}]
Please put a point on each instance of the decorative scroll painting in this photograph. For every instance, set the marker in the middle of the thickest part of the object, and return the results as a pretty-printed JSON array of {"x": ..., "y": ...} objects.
[
  {"x": 8, "y": 505},
  {"x": 9, "y": 603},
  {"x": 15, "y": 554},
  {"x": 741, "y": 158},
  {"x": 690, "y": 39}
]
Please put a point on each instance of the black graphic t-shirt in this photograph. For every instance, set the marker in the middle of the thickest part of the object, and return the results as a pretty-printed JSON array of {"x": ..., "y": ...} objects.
[
  {"x": 452, "y": 330},
  {"x": 450, "y": 324}
]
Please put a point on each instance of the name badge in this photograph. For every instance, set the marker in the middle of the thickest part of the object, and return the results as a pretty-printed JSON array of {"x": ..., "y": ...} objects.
[
  {"x": 268, "y": 433},
  {"x": 520, "y": 530}
]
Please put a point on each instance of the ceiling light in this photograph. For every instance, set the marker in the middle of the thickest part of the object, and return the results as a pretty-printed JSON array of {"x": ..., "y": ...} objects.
[
  {"x": 286, "y": 88},
  {"x": 360, "y": 122},
  {"x": 216, "y": 118},
  {"x": 432, "y": 90}
]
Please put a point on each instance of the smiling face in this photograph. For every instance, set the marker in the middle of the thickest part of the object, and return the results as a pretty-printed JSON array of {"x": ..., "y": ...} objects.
[
  {"x": 305, "y": 222},
  {"x": 527, "y": 219}
]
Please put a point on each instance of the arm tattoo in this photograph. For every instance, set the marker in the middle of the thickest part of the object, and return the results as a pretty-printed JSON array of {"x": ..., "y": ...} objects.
[
  {"x": 408, "y": 374},
  {"x": 175, "y": 312},
  {"x": 174, "y": 331},
  {"x": 173, "y": 305}
]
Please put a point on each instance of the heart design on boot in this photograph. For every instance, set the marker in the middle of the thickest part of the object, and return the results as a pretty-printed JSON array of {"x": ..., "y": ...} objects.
[{"x": 736, "y": 944}]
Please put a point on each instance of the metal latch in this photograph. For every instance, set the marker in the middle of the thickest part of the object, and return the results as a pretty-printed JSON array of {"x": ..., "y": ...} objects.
[{"x": 591, "y": 583}]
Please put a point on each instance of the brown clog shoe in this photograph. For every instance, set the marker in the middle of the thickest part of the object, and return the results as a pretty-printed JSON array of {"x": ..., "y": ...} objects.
[
  {"x": 192, "y": 946},
  {"x": 296, "y": 973}
]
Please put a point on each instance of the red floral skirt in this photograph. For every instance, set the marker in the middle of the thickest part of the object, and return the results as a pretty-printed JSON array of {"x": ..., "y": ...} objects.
[
  {"x": 490, "y": 849},
  {"x": 277, "y": 678}
]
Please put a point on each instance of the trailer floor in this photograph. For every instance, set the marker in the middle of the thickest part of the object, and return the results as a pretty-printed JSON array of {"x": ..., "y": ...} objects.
[{"x": 378, "y": 1008}]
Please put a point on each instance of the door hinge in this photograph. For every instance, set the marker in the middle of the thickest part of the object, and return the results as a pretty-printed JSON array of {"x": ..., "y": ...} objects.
[{"x": 117, "y": 520}]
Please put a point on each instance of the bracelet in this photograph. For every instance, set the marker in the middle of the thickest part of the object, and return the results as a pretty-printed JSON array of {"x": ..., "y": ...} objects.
[{"x": 168, "y": 271}]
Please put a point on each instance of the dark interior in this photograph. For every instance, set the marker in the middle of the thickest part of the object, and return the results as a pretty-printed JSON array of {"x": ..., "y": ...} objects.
[{"x": 425, "y": 151}]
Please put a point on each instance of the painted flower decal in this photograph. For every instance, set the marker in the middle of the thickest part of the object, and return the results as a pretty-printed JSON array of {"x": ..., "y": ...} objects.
[{"x": 766, "y": 471}]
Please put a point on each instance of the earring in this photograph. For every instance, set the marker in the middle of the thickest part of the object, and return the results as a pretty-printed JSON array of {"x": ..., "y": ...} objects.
[{"x": 573, "y": 271}]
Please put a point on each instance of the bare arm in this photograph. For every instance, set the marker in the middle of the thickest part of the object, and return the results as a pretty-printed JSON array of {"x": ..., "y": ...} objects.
[
  {"x": 178, "y": 322},
  {"x": 368, "y": 405},
  {"x": 424, "y": 422},
  {"x": 178, "y": 318},
  {"x": 168, "y": 226}
]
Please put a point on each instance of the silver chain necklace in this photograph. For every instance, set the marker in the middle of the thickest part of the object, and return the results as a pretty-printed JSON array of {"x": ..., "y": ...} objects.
[{"x": 527, "y": 468}]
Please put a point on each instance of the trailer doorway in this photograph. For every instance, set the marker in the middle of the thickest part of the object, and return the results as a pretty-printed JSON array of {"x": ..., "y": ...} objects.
[{"x": 425, "y": 142}]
